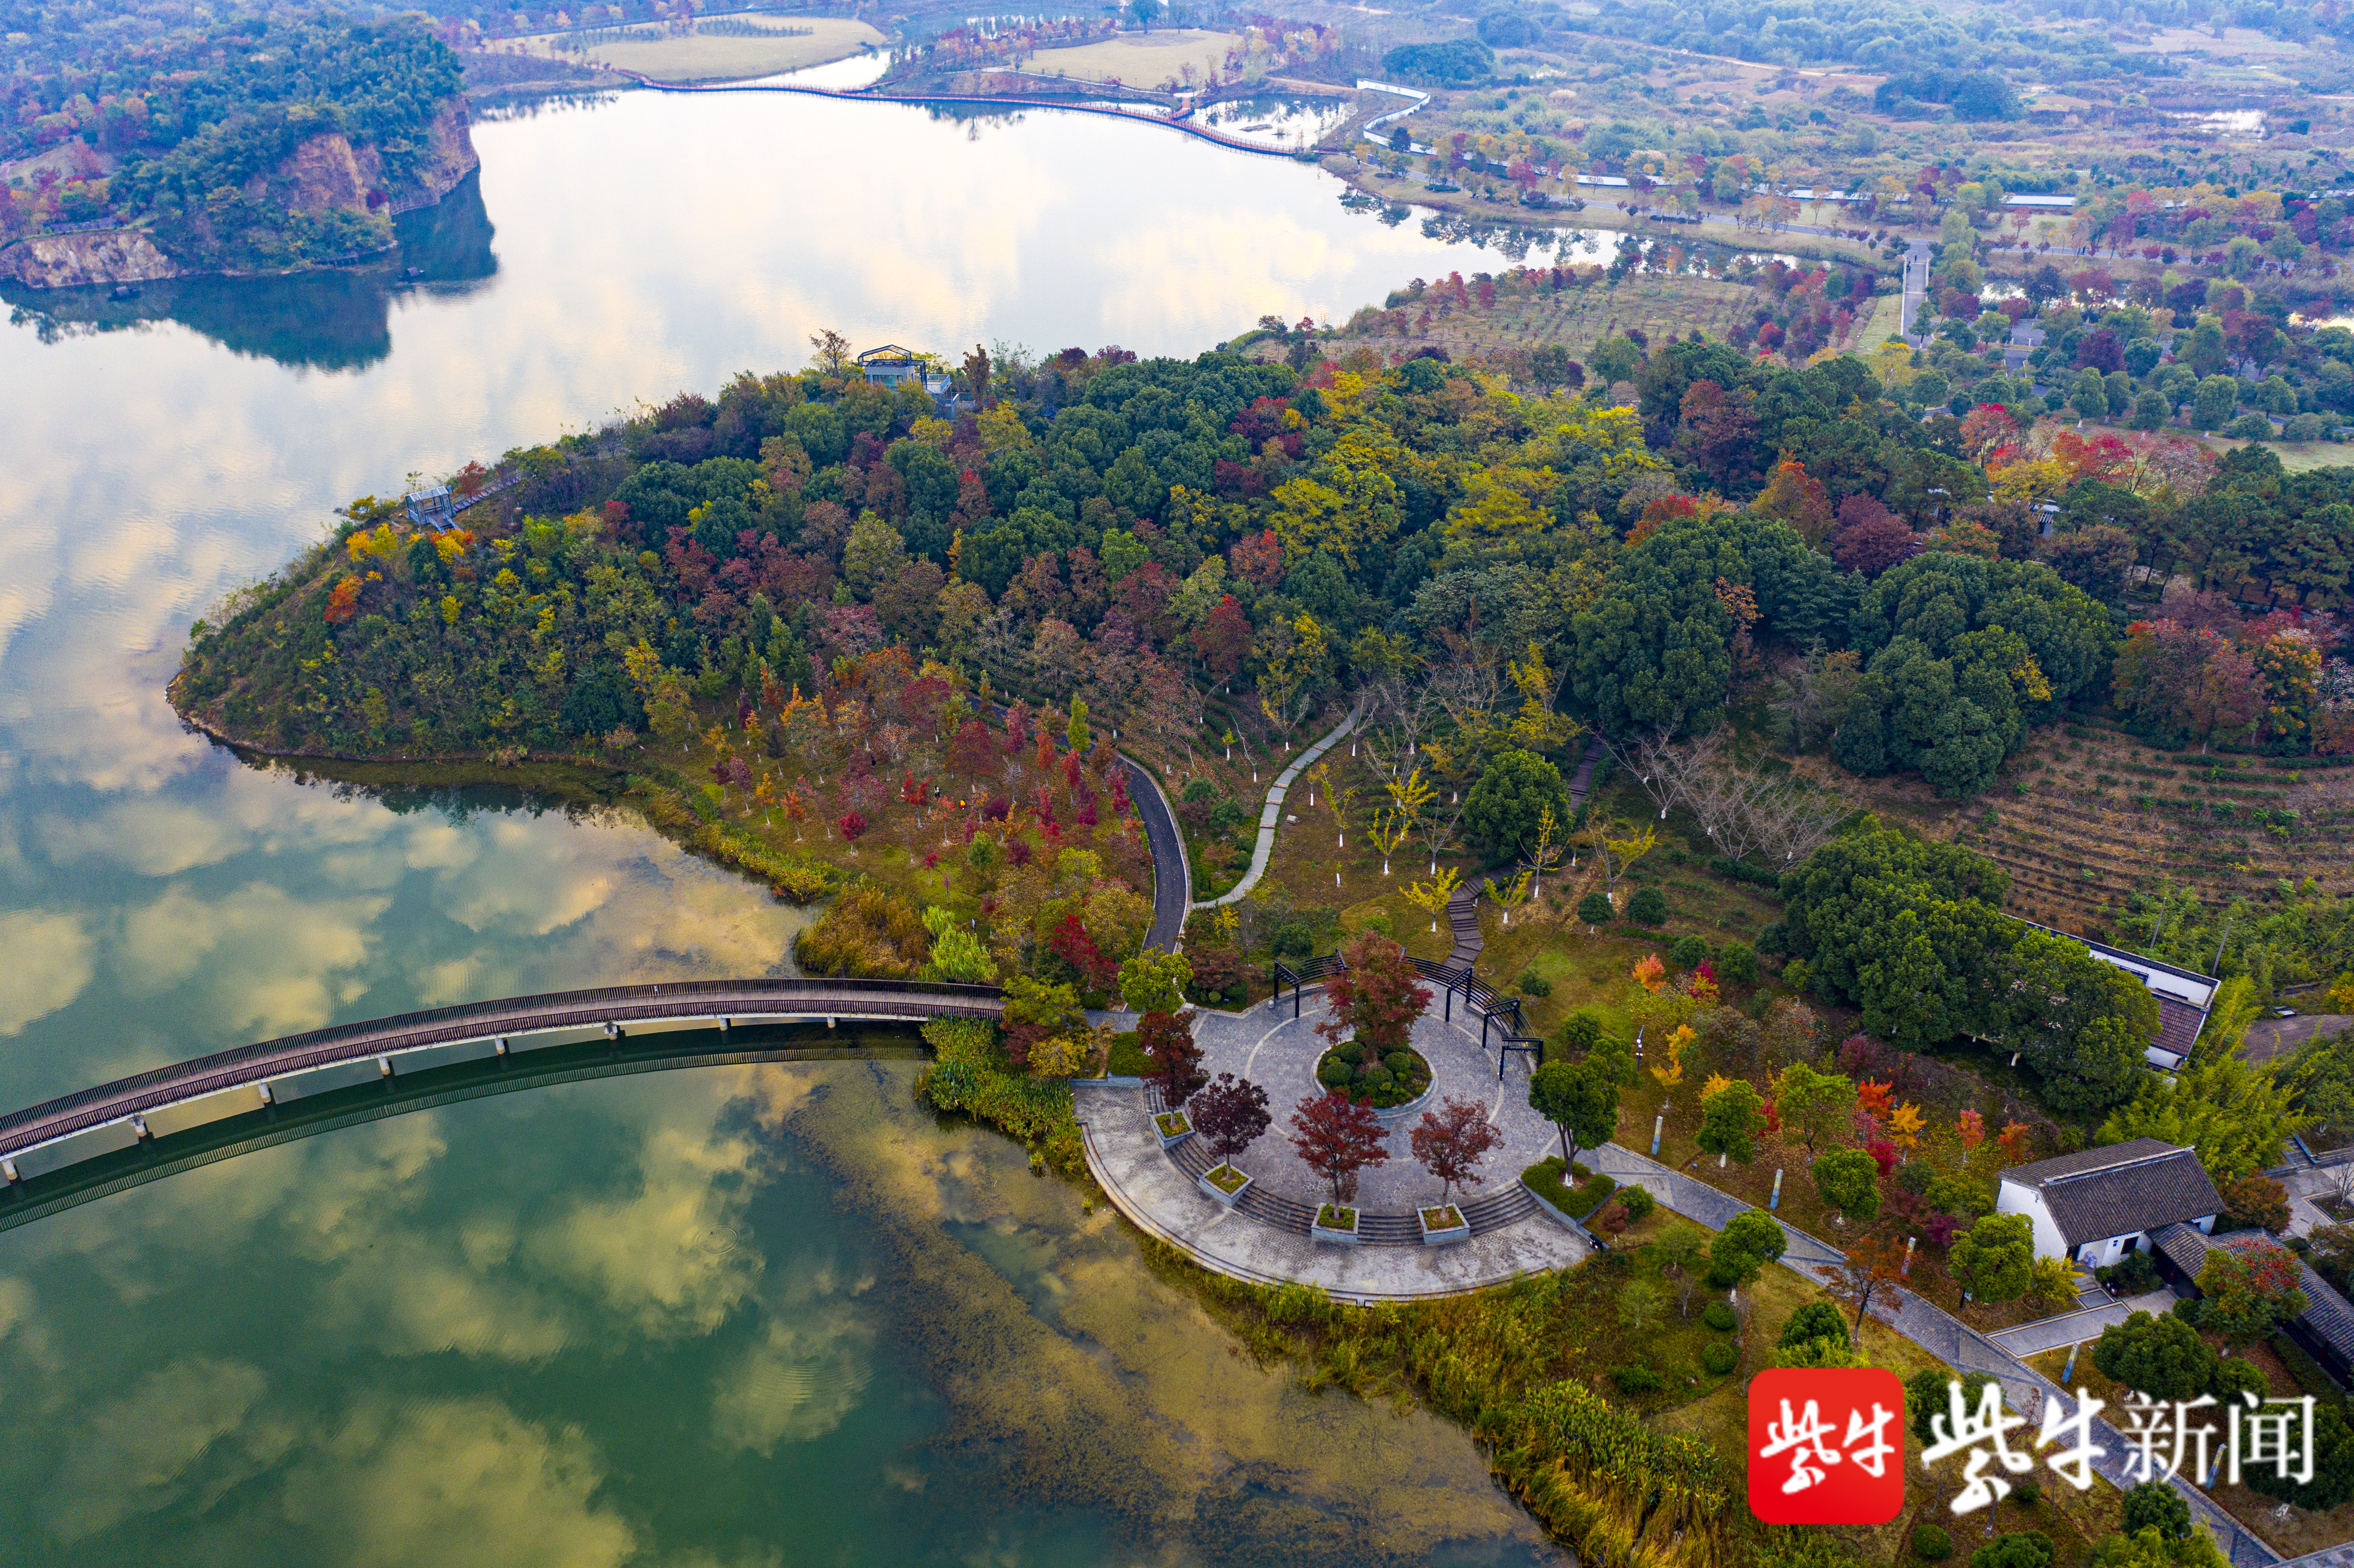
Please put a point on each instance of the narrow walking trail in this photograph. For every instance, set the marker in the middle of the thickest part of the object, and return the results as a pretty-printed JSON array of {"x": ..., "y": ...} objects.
[{"x": 1271, "y": 812}]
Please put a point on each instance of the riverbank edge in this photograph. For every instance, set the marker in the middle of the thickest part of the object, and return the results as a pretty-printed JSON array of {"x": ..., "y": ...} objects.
[{"x": 660, "y": 797}]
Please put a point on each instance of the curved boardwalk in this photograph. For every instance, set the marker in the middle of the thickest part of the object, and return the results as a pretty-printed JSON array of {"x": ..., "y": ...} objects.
[{"x": 114, "y": 1116}]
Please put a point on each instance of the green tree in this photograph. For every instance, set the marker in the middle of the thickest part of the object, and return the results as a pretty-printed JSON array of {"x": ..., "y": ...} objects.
[
  {"x": 1815, "y": 1105},
  {"x": 1993, "y": 1260},
  {"x": 1155, "y": 983},
  {"x": 2234, "y": 1114},
  {"x": 1511, "y": 800},
  {"x": 2159, "y": 1356},
  {"x": 1581, "y": 1100},
  {"x": 2154, "y": 1505},
  {"x": 1731, "y": 1119},
  {"x": 2212, "y": 404},
  {"x": 1749, "y": 1241},
  {"x": 1849, "y": 1181},
  {"x": 2080, "y": 1024}
]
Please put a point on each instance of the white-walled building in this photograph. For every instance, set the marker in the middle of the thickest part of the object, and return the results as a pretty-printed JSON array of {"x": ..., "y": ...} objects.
[{"x": 2093, "y": 1206}]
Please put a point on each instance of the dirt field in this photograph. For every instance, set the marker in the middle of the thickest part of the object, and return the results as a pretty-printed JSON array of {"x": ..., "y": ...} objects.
[
  {"x": 708, "y": 58},
  {"x": 1578, "y": 318},
  {"x": 1137, "y": 59}
]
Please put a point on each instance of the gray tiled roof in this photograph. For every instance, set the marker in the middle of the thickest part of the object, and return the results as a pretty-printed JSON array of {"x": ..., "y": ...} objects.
[
  {"x": 2120, "y": 1190},
  {"x": 2327, "y": 1313}
]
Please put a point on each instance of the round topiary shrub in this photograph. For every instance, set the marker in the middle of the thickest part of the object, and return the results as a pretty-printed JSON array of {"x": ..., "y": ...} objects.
[
  {"x": 1380, "y": 1082},
  {"x": 1595, "y": 909},
  {"x": 1637, "y": 1201},
  {"x": 1718, "y": 1317},
  {"x": 1719, "y": 1357},
  {"x": 1531, "y": 983},
  {"x": 2249, "y": 428},
  {"x": 1648, "y": 907},
  {"x": 1688, "y": 952},
  {"x": 1931, "y": 1544}
]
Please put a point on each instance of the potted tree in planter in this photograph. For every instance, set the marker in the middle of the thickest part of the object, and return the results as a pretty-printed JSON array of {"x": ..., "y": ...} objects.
[
  {"x": 1450, "y": 1142},
  {"x": 1174, "y": 1127},
  {"x": 1336, "y": 1137},
  {"x": 1230, "y": 1115},
  {"x": 1223, "y": 1183}
]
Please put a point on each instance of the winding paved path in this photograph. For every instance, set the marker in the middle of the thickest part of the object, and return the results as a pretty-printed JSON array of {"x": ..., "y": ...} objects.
[{"x": 1271, "y": 813}]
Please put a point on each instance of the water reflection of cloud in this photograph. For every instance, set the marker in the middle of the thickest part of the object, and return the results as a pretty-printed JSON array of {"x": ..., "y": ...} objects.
[
  {"x": 432, "y": 1482},
  {"x": 147, "y": 1450},
  {"x": 275, "y": 963},
  {"x": 799, "y": 1382},
  {"x": 673, "y": 1257},
  {"x": 49, "y": 963}
]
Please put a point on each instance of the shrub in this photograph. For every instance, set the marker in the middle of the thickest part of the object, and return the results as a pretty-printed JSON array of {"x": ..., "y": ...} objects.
[
  {"x": 2233, "y": 1377},
  {"x": 1595, "y": 909},
  {"x": 1737, "y": 961},
  {"x": 1719, "y": 1316},
  {"x": 2019, "y": 1548},
  {"x": 1931, "y": 1544},
  {"x": 1334, "y": 1073},
  {"x": 2249, "y": 428},
  {"x": 1544, "y": 1179},
  {"x": 1531, "y": 983},
  {"x": 1636, "y": 1380},
  {"x": 1637, "y": 1201},
  {"x": 1814, "y": 1321},
  {"x": 1719, "y": 1357},
  {"x": 1688, "y": 952},
  {"x": 1648, "y": 907},
  {"x": 2025, "y": 1492},
  {"x": 2135, "y": 1274},
  {"x": 868, "y": 933},
  {"x": 1399, "y": 1063}
]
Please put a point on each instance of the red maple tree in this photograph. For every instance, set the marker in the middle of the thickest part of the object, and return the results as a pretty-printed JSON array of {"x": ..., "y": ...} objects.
[{"x": 1336, "y": 1137}]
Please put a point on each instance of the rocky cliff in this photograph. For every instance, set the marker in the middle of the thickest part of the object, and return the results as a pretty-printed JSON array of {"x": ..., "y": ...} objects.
[{"x": 324, "y": 173}]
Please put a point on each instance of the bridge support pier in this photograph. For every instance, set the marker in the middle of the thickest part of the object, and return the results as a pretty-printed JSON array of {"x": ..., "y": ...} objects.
[
  {"x": 829, "y": 1020},
  {"x": 8, "y": 1170},
  {"x": 502, "y": 1048}
]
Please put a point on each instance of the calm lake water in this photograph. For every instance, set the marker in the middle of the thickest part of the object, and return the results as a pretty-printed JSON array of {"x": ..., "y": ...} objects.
[{"x": 740, "y": 1316}]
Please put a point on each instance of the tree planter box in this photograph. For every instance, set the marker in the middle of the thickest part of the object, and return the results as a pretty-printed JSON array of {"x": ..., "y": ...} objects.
[
  {"x": 1224, "y": 1183},
  {"x": 1174, "y": 1128},
  {"x": 1443, "y": 1225},
  {"x": 1334, "y": 1224}
]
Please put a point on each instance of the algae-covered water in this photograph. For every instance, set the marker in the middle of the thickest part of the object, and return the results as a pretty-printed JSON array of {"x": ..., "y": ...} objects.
[{"x": 756, "y": 1315}]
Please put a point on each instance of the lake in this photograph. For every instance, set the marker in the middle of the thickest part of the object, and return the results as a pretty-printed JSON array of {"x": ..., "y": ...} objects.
[{"x": 735, "y": 1316}]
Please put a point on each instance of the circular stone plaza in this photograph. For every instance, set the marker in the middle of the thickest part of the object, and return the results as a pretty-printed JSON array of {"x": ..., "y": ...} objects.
[{"x": 1264, "y": 1237}]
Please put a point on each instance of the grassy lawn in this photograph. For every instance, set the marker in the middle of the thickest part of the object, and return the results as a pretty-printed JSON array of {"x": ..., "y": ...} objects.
[
  {"x": 1137, "y": 59},
  {"x": 702, "y": 57}
]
